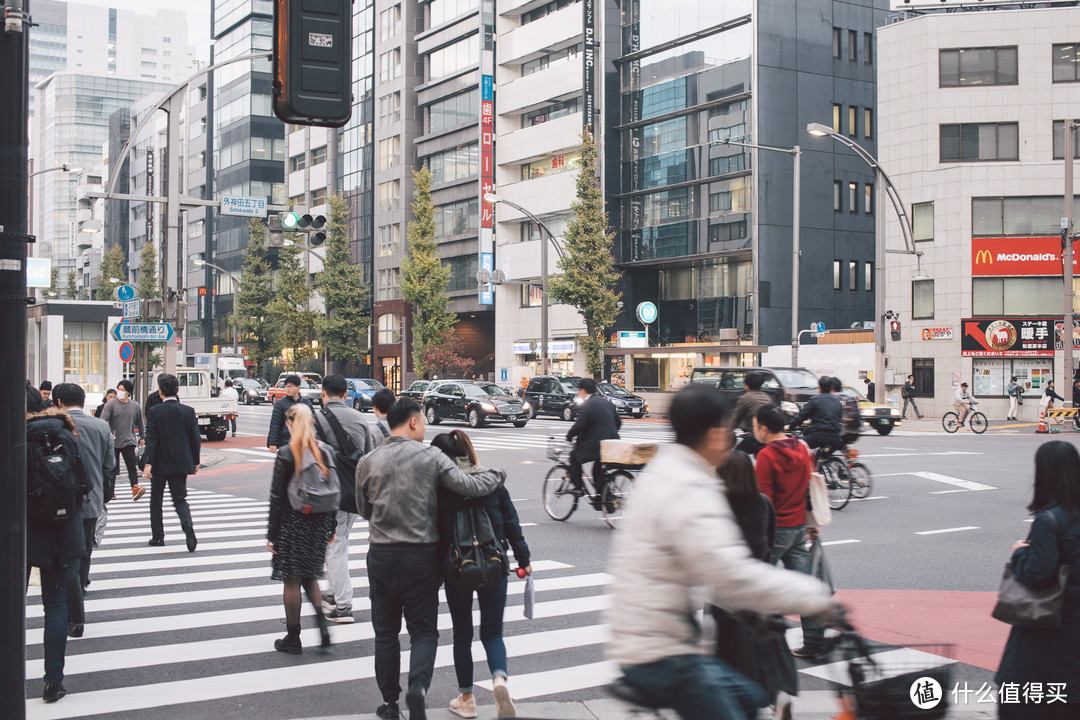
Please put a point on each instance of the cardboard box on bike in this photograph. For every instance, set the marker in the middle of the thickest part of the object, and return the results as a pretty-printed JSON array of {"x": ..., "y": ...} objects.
[{"x": 624, "y": 452}]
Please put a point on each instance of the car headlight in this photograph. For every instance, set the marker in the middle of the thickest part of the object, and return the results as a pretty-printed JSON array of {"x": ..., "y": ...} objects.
[
  {"x": 616, "y": 401},
  {"x": 868, "y": 412},
  {"x": 525, "y": 405},
  {"x": 488, "y": 407},
  {"x": 789, "y": 407},
  {"x": 894, "y": 412}
]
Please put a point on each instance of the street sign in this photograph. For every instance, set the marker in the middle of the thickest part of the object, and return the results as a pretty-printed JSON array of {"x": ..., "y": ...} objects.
[
  {"x": 632, "y": 339},
  {"x": 38, "y": 272},
  {"x": 132, "y": 308},
  {"x": 243, "y": 206},
  {"x": 124, "y": 293},
  {"x": 504, "y": 375},
  {"x": 818, "y": 327},
  {"x": 127, "y": 353},
  {"x": 646, "y": 312},
  {"x": 143, "y": 332}
]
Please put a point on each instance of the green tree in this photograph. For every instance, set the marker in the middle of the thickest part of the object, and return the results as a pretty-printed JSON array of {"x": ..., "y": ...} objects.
[
  {"x": 54, "y": 281},
  {"x": 72, "y": 292},
  {"x": 343, "y": 326},
  {"x": 148, "y": 287},
  {"x": 253, "y": 316},
  {"x": 424, "y": 277},
  {"x": 113, "y": 265},
  {"x": 589, "y": 277},
  {"x": 291, "y": 307}
]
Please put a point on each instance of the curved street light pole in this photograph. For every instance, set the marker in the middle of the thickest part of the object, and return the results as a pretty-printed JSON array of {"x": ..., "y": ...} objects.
[{"x": 236, "y": 286}]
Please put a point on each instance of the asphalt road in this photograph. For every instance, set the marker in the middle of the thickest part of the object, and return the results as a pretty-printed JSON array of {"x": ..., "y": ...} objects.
[{"x": 176, "y": 635}]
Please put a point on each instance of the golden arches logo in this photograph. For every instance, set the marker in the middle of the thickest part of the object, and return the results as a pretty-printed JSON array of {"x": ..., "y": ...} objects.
[{"x": 984, "y": 256}]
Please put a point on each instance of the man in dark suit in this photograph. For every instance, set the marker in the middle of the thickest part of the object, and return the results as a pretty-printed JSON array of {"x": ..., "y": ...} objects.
[
  {"x": 596, "y": 421},
  {"x": 172, "y": 453}
]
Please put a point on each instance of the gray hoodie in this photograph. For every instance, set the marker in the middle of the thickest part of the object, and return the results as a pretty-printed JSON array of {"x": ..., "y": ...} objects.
[{"x": 397, "y": 489}]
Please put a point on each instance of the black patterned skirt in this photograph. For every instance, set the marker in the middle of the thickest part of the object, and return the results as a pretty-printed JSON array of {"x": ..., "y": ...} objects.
[{"x": 300, "y": 548}]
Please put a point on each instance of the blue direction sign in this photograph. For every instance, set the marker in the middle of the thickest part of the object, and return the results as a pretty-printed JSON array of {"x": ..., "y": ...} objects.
[
  {"x": 125, "y": 293},
  {"x": 143, "y": 332},
  {"x": 132, "y": 308}
]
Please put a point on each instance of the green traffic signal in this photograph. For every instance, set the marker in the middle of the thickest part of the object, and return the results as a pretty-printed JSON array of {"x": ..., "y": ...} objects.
[{"x": 290, "y": 220}]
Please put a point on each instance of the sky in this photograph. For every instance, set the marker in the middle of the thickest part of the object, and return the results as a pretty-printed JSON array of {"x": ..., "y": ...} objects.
[{"x": 198, "y": 14}]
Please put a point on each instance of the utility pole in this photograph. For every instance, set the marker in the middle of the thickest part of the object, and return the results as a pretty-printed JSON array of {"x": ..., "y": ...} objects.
[
  {"x": 13, "y": 241},
  {"x": 1067, "y": 260}
]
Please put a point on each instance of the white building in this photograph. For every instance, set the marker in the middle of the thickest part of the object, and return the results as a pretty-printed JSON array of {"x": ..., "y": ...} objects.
[{"x": 972, "y": 106}]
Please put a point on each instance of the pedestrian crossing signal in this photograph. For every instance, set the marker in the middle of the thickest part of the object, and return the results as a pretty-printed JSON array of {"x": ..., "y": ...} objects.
[{"x": 894, "y": 329}]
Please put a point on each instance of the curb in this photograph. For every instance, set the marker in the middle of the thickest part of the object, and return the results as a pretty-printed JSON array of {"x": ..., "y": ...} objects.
[{"x": 208, "y": 460}]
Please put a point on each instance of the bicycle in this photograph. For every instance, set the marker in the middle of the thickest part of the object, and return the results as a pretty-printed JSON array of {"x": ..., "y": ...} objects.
[
  {"x": 975, "y": 420},
  {"x": 862, "y": 481},
  {"x": 838, "y": 477},
  {"x": 560, "y": 496}
]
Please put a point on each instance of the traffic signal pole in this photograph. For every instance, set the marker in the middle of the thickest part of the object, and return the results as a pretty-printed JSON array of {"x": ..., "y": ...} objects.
[{"x": 14, "y": 182}]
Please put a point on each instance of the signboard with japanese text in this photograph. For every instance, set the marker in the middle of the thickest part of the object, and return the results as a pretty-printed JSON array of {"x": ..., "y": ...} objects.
[
  {"x": 143, "y": 332},
  {"x": 132, "y": 308},
  {"x": 1012, "y": 256},
  {"x": 243, "y": 206},
  {"x": 937, "y": 334},
  {"x": 588, "y": 64},
  {"x": 1007, "y": 337},
  {"x": 487, "y": 146}
]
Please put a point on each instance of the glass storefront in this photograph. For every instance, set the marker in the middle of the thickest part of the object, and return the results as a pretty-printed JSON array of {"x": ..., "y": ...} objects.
[{"x": 84, "y": 355}]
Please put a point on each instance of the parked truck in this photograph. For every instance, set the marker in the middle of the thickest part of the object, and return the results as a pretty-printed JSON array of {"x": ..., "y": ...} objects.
[
  {"x": 222, "y": 367},
  {"x": 213, "y": 413}
]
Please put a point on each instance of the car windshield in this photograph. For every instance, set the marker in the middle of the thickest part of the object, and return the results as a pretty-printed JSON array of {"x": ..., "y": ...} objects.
[
  {"x": 419, "y": 385},
  {"x": 848, "y": 390},
  {"x": 306, "y": 384},
  {"x": 796, "y": 378},
  {"x": 569, "y": 384},
  {"x": 476, "y": 391},
  {"x": 367, "y": 385},
  {"x": 616, "y": 390},
  {"x": 494, "y": 390}
]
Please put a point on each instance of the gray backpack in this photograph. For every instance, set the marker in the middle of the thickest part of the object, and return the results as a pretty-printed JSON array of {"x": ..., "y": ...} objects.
[{"x": 309, "y": 491}]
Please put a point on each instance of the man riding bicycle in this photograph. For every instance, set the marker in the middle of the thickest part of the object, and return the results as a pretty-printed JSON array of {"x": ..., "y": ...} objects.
[
  {"x": 825, "y": 412},
  {"x": 597, "y": 420},
  {"x": 962, "y": 402}
]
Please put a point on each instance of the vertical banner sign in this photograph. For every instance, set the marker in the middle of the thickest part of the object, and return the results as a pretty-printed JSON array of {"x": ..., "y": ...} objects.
[
  {"x": 487, "y": 145},
  {"x": 588, "y": 66},
  {"x": 151, "y": 208},
  {"x": 636, "y": 210}
]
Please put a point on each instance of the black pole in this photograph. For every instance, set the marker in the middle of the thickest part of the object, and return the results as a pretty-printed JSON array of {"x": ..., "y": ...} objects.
[{"x": 14, "y": 181}]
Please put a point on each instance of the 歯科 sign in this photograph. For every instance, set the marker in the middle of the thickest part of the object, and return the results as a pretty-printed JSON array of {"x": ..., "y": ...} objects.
[
  {"x": 937, "y": 334},
  {"x": 243, "y": 206}
]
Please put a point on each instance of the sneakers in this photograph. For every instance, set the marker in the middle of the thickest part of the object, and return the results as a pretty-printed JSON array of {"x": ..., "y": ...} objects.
[
  {"x": 328, "y": 603},
  {"x": 234, "y": 434},
  {"x": 415, "y": 701},
  {"x": 137, "y": 491},
  {"x": 462, "y": 707},
  {"x": 810, "y": 652},
  {"x": 53, "y": 692},
  {"x": 341, "y": 615},
  {"x": 388, "y": 711},
  {"x": 504, "y": 706}
]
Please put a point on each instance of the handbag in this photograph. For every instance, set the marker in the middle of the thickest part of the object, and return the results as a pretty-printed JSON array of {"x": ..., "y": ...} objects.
[
  {"x": 818, "y": 512},
  {"x": 1025, "y": 607}
]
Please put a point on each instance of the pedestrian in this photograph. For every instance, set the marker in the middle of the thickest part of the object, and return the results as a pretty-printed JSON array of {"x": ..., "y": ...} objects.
[
  {"x": 381, "y": 402},
  {"x": 109, "y": 395},
  {"x": 296, "y": 539},
  {"x": 908, "y": 393},
  {"x": 125, "y": 419},
  {"x": 52, "y": 547},
  {"x": 1014, "y": 390},
  {"x": 229, "y": 394},
  {"x": 278, "y": 436},
  {"x": 1047, "y": 658},
  {"x": 677, "y": 542},
  {"x": 783, "y": 472},
  {"x": 46, "y": 392},
  {"x": 99, "y": 462},
  {"x": 825, "y": 411},
  {"x": 172, "y": 453},
  {"x": 871, "y": 389},
  {"x": 491, "y": 600},
  {"x": 597, "y": 420},
  {"x": 752, "y": 398},
  {"x": 765, "y": 659},
  {"x": 1049, "y": 396},
  {"x": 337, "y": 601},
  {"x": 396, "y": 491}
]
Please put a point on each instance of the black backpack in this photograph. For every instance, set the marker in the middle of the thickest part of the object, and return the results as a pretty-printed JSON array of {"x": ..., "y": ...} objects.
[
  {"x": 851, "y": 415},
  {"x": 346, "y": 457},
  {"x": 475, "y": 558},
  {"x": 55, "y": 481}
]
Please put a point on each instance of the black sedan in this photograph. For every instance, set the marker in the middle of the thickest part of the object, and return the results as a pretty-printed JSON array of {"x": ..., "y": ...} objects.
[
  {"x": 251, "y": 391},
  {"x": 474, "y": 403},
  {"x": 417, "y": 389},
  {"x": 625, "y": 402}
]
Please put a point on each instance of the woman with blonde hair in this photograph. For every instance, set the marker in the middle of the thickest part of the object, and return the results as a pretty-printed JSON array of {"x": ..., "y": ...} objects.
[{"x": 298, "y": 540}]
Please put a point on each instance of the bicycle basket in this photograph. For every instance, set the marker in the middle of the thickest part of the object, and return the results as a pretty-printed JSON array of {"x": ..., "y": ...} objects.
[
  {"x": 558, "y": 449},
  {"x": 885, "y": 685}
]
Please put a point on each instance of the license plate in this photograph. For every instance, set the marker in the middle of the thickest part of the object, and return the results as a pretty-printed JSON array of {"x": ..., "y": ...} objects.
[
  {"x": 886, "y": 422},
  {"x": 204, "y": 421},
  {"x": 511, "y": 417}
]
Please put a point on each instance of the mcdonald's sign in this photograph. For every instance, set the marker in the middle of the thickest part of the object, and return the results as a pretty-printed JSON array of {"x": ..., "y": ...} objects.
[
  {"x": 984, "y": 256},
  {"x": 1013, "y": 256}
]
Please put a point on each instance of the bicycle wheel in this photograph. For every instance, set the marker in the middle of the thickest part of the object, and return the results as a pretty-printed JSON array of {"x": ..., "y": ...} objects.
[
  {"x": 616, "y": 491},
  {"x": 978, "y": 423},
  {"x": 558, "y": 493},
  {"x": 862, "y": 482},
  {"x": 951, "y": 422},
  {"x": 837, "y": 480}
]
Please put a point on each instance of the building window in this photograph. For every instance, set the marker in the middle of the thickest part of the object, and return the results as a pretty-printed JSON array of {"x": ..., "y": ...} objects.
[
  {"x": 868, "y": 199},
  {"x": 853, "y": 275},
  {"x": 1013, "y": 216},
  {"x": 1066, "y": 62},
  {"x": 922, "y": 221},
  {"x": 837, "y": 275},
  {"x": 389, "y": 152},
  {"x": 454, "y": 111},
  {"x": 923, "y": 370},
  {"x": 196, "y": 229},
  {"x": 318, "y": 155},
  {"x": 532, "y": 295},
  {"x": 454, "y": 58},
  {"x": 389, "y": 22},
  {"x": 837, "y": 34},
  {"x": 545, "y": 10},
  {"x": 726, "y": 196},
  {"x": 837, "y": 115},
  {"x": 462, "y": 272},
  {"x": 837, "y": 196},
  {"x": 389, "y": 329},
  {"x": 458, "y": 218},
  {"x": 556, "y": 58},
  {"x": 868, "y": 123},
  {"x": 853, "y": 45},
  {"x": 980, "y": 142},
  {"x": 390, "y": 65},
  {"x": 388, "y": 284},
  {"x": 296, "y": 201},
  {"x": 443, "y": 10},
  {"x": 297, "y": 162},
  {"x": 852, "y": 115},
  {"x": 1016, "y": 296},
  {"x": 389, "y": 196},
  {"x": 868, "y": 48},
  {"x": 853, "y": 198},
  {"x": 453, "y": 165},
  {"x": 922, "y": 299},
  {"x": 530, "y": 231},
  {"x": 727, "y": 231},
  {"x": 389, "y": 240},
  {"x": 868, "y": 280},
  {"x": 977, "y": 66},
  {"x": 1059, "y": 140},
  {"x": 390, "y": 108},
  {"x": 551, "y": 165},
  {"x": 318, "y": 197},
  {"x": 550, "y": 112}
]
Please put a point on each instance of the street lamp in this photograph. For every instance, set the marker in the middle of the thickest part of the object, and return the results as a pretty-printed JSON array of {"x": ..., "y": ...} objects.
[
  {"x": 199, "y": 262},
  {"x": 882, "y": 182},
  {"x": 59, "y": 168},
  {"x": 494, "y": 200}
]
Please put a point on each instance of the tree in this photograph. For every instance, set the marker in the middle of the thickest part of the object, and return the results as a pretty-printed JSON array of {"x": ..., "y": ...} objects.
[
  {"x": 291, "y": 305},
  {"x": 589, "y": 278},
  {"x": 253, "y": 316},
  {"x": 445, "y": 357},
  {"x": 148, "y": 287},
  {"x": 423, "y": 275},
  {"x": 54, "y": 281},
  {"x": 72, "y": 292},
  {"x": 113, "y": 265},
  {"x": 344, "y": 325}
]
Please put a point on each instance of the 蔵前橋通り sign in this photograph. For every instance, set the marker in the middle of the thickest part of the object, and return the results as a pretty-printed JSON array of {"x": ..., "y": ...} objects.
[
  {"x": 1008, "y": 337},
  {"x": 143, "y": 332},
  {"x": 243, "y": 206},
  {"x": 998, "y": 257}
]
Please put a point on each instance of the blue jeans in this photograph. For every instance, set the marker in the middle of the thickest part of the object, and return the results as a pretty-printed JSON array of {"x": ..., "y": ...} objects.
[
  {"x": 492, "y": 603},
  {"x": 54, "y": 601},
  {"x": 789, "y": 547},
  {"x": 699, "y": 687}
]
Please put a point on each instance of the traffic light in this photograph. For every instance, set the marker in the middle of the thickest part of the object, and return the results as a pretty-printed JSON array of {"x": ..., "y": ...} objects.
[
  {"x": 298, "y": 222},
  {"x": 313, "y": 61},
  {"x": 894, "y": 329},
  {"x": 276, "y": 236}
]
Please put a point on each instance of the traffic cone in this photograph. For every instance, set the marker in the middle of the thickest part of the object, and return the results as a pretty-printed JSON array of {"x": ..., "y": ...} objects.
[{"x": 1042, "y": 422}]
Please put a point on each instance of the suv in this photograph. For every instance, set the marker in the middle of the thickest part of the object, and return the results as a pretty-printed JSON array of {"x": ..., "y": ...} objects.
[
  {"x": 476, "y": 403},
  {"x": 625, "y": 402},
  {"x": 417, "y": 389},
  {"x": 550, "y": 395},
  {"x": 791, "y": 388}
]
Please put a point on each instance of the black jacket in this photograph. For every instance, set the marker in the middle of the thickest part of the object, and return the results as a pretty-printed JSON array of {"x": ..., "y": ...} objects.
[
  {"x": 596, "y": 421},
  {"x": 500, "y": 510},
  {"x": 49, "y": 546},
  {"x": 279, "y": 434},
  {"x": 825, "y": 412},
  {"x": 908, "y": 391},
  {"x": 284, "y": 469},
  {"x": 1050, "y": 393},
  {"x": 172, "y": 439}
]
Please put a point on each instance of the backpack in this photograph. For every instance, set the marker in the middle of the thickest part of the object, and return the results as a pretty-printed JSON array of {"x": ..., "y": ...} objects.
[
  {"x": 346, "y": 457},
  {"x": 852, "y": 418},
  {"x": 475, "y": 558},
  {"x": 309, "y": 491},
  {"x": 55, "y": 481}
]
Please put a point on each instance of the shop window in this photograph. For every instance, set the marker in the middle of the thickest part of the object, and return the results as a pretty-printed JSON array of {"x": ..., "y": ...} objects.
[
  {"x": 922, "y": 221},
  {"x": 923, "y": 370}
]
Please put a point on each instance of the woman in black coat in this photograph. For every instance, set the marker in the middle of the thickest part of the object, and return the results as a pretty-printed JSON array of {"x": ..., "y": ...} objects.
[{"x": 1050, "y": 658}]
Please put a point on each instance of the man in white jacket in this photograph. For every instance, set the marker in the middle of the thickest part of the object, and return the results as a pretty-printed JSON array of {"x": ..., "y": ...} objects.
[{"x": 678, "y": 547}]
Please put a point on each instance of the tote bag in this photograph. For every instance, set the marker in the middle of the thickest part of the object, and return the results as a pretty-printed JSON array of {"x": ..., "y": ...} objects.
[
  {"x": 1031, "y": 608},
  {"x": 818, "y": 512}
]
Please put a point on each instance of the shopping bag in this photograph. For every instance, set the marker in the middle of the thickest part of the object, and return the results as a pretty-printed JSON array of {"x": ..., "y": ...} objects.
[
  {"x": 530, "y": 596},
  {"x": 818, "y": 512}
]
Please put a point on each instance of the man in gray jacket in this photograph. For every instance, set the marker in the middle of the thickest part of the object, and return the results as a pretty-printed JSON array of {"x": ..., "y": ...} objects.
[
  {"x": 99, "y": 461},
  {"x": 337, "y": 597},
  {"x": 396, "y": 491}
]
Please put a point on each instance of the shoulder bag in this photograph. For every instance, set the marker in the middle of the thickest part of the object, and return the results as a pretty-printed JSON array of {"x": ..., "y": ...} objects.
[
  {"x": 1025, "y": 607},
  {"x": 818, "y": 512}
]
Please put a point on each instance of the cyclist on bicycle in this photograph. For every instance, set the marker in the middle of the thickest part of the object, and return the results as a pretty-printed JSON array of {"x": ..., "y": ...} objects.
[
  {"x": 825, "y": 412},
  {"x": 852, "y": 417},
  {"x": 962, "y": 402},
  {"x": 597, "y": 420},
  {"x": 748, "y": 404}
]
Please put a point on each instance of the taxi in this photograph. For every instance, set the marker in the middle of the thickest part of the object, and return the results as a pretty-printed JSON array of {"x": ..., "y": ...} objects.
[{"x": 882, "y": 418}]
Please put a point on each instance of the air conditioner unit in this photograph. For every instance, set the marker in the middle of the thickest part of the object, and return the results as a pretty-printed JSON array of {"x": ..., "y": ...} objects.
[{"x": 727, "y": 334}]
